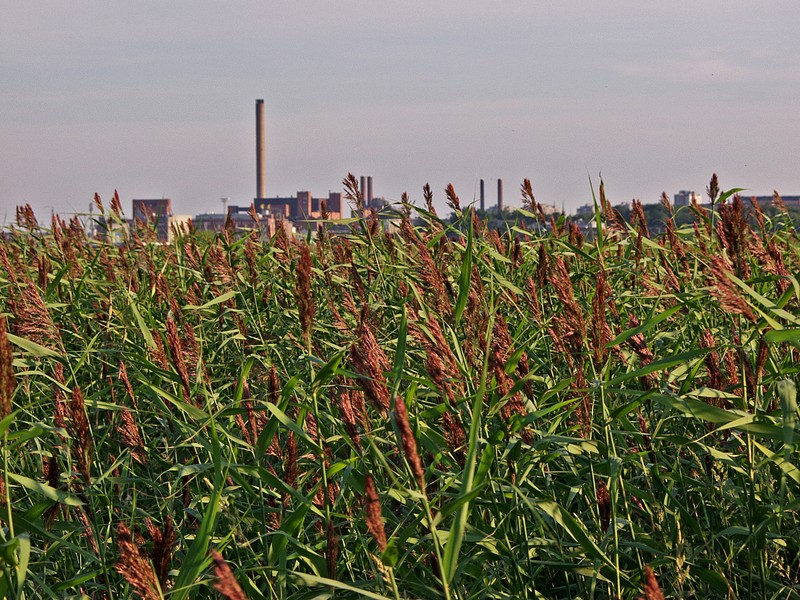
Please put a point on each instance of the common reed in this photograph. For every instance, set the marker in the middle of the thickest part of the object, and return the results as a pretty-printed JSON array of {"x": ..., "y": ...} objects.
[
  {"x": 408, "y": 443},
  {"x": 370, "y": 361},
  {"x": 372, "y": 506},
  {"x": 225, "y": 582},
  {"x": 7, "y": 378},
  {"x": 568, "y": 410},
  {"x": 134, "y": 565}
]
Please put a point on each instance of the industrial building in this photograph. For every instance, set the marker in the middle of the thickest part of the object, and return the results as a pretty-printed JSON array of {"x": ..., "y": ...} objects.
[
  {"x": 153, "y": 213},
  {"x": 685, "y": 198}
]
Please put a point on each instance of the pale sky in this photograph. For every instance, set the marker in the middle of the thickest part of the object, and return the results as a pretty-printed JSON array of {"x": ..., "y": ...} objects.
[{"x": 158, "y": 99}]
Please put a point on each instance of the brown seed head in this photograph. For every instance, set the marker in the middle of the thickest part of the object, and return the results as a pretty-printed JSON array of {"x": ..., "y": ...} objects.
[
  {"x": 373, "y": 509},
  {"x": 428, "y": 195},
  {"x": 7, "y": 383},
  {"x": 725, "y": 291},
  {"x": 134, "y": 566},
  {"x": 331, "y": 550},
  {"x": 81, "y": 435},
  {"x": 528, "y": 201},
  {"x": 603, "y": 505},
  {"x": 651, "y": 590},
  {"x": 116, "y": 205},
  {"x": 408, "y": 442},
  {"x": 131, "y": 438},
  {"x": 777, "y": 202},
  {"x": 370, "y": 361},
  {"x": 176, "y": 351},
  {"x": 226, "y": 583},
  {"x": 452, "y": 198},
  {"x": 163, "y": 547},
  {"x": 305, "y": 301},
  {"x": 713, "y": 188}
]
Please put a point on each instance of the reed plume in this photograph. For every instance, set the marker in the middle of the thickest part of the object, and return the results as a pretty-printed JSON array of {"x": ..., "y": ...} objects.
[
  {"x": 349, "y": 419},
  {"x": 7, "y": 377},
  {"x": 226, "y": 583},
  {"x": 331, "y": 550},
  {"x": 651, "y": 590},
  {"x": 135, "y": 566},
  {"x": 603, "y": 505},
  {"x": 528, "y": 201},
  {"x": 711, "y": 360},
  {"x": 373, "y": 510},
  {"x": 371, "y": 363},
  {"x": 305, "y": 301},
  {"x": 408, "y": 442},
  {"x": 352, "y": 193},
  {"x": 177, "y": 354},
  {"x": 131, "y": 438},
  {"x": 713, "y": 189},
  {"x": 33, "y": 320},
  {"x": 79, "y": 430},
  {"x": 163, "y": 539},
  {"x": 732, "y": 231},
  {"x": 724, "y": 290},
  {"x": 452, "y": 198}
]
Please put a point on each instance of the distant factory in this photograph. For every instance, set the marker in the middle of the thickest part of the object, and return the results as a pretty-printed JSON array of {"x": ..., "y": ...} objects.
[
  {"x": 292, "y": 213},
  {"x": 289, "y": 212}
]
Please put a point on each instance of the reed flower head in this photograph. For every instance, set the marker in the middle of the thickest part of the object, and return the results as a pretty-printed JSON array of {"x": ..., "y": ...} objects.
[
  {"x": 7, "y": 383},
  {"x": 452, "y": 198},
  {"x": 163, "y": 547},
  {"x": 370, "y": 361},
  {"x": 226, "y": 583},
  {"x": 651, "y": 590},
  {"x": 724, "y": 290},
  {"x": 427, "y": 193},
  {"x": 408, "y": 442},
  {"x": 331, "y": 550},
  {"x": 176, "y": 351},
  {"x": 713, "y": 188},
  {"x": 352, "y": 193},
  {"x": 305, "y": 301},
  {"x": 81, "y": 435},
  {"x": 135, "y": 567},
  {"x": 528, "y": 201},
  {"x": 374, "y": 517},
  {"x": 603, "y": 505}
]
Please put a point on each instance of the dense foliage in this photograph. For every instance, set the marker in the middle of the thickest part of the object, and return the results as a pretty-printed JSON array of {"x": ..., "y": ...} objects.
[{"x": 441, "y": 411}]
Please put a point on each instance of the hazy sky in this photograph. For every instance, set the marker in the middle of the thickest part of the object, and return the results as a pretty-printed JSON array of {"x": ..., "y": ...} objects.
[{"x": 158, "y": 98}]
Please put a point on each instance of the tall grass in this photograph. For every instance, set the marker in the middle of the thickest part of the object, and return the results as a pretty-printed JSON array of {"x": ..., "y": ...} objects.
[{"x": 446, "y": 411}]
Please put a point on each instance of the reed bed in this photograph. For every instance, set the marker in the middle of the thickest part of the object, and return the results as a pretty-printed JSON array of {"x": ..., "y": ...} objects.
[{"x": 445, "y": 411}]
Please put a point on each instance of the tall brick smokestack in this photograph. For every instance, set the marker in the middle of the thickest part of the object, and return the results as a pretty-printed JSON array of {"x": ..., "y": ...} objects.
[
  {"x": 500, "y": 195},
  {"x": 261, "y": 188},
  {"x": 483, "y": 198},
  {"x": 369, "y": 190},
  {"x": 363, "y": 188}
]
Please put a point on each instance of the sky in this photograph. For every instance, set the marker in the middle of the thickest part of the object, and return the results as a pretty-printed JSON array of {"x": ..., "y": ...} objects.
[{"x": 157, "y": 99}]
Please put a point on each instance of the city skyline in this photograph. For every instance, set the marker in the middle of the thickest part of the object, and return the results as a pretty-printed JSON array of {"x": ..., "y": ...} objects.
[{"x": 157, "y": 100}]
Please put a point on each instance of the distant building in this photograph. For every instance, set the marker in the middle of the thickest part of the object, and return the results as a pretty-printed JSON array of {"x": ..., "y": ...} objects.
[
  {"x": 685, "y": 197},
  {"x": 789, "y": 201},
  {"x": 300, "y": 207},
  {"x": 268, "y": 223},
  {"x": 153, "y": 213}
]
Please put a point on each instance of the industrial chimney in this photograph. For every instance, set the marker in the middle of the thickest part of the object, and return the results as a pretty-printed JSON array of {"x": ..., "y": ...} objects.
[
  {"x": 500, "y": 195},
  {"x": 363, "y": 188},
  {"x": 260, "y": 163},
  {"x": 483, "y": 198},
  {"x": 369, "y": 190}
]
